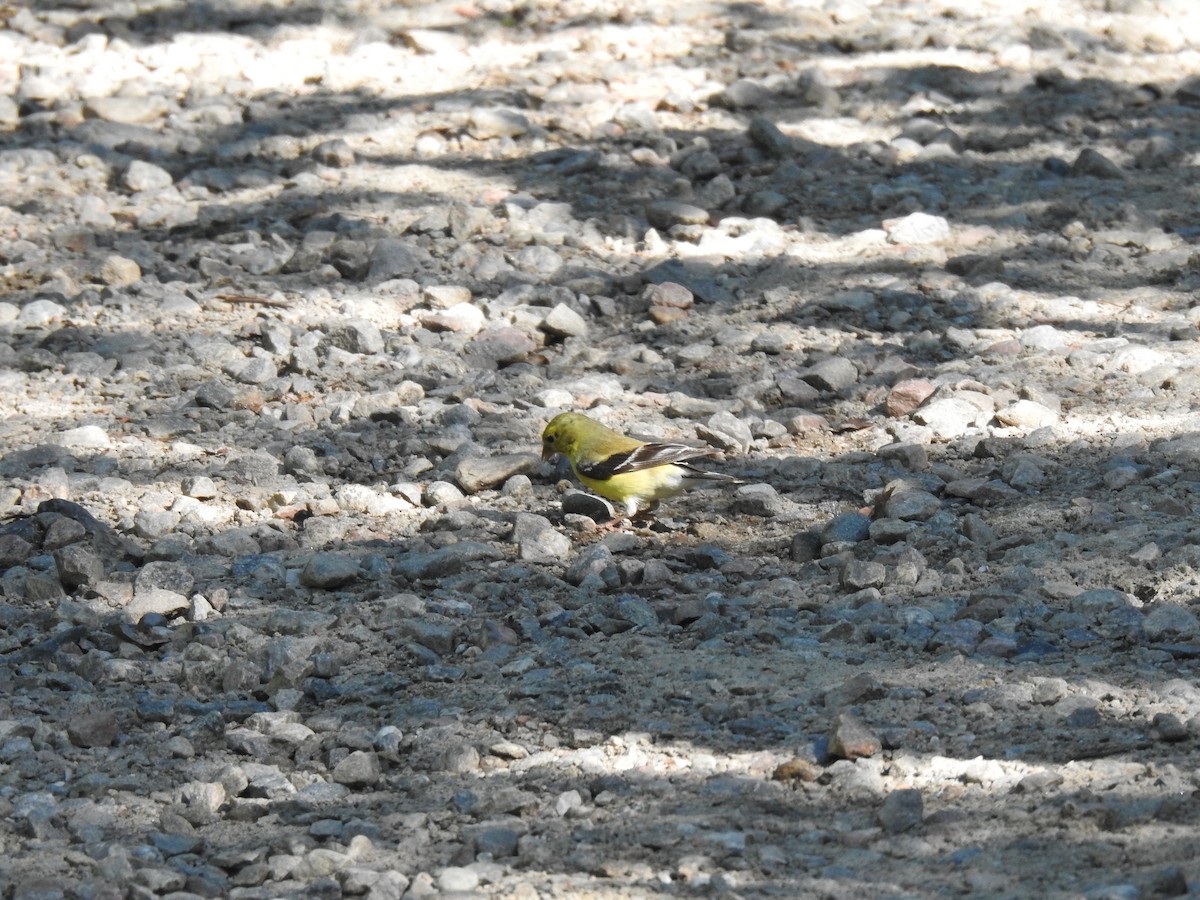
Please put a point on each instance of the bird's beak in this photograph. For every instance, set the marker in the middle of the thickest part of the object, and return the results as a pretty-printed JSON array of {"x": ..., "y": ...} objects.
[{"x": 548, "y": 453}]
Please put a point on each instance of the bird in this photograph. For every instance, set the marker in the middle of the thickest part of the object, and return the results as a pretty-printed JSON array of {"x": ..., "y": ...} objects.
[{"x": 636, "y": 474}]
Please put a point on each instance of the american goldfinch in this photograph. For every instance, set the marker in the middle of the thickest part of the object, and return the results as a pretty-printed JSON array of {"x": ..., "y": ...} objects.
[{"x": 633, "y": 473}]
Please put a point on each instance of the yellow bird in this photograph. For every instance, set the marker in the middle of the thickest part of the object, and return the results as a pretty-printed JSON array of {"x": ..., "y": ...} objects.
[{"x": 636, "y": 474}]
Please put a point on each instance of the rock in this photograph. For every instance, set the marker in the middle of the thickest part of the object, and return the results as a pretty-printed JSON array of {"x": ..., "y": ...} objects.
[
  {"x": 1093, "y": 163},
  {"x": 759, "y": 500},
  {"x": 949, "y": 417},
  {"x": 907, "y": 395},
  {"x": 595, "y": 508},
  {"x": 126, "y": 110},
  {"x": 485, "y": 124},
  {"x": 393, "y": 258},
  {"x": 902, "y": 810},
  {"x": 86, "y": 437},
  {"x": 1170, "y": 621},
  {"x": 565, "y": 322},
  {"x": 456, "y": 879},
  {"x": 477, "y": 473},
  {"x": 462, "y": 318},
  {"x": 77, "y": 566},
  {"x": 538, "y": 541},
  {"x": 663, "y": 214},
  {"x": 860, "y": 574},
  {"x": 833, "y": 375},
  {"x": 850, "y": 739},
  {"x": 437, "y": 564},
  {"x": 157, "y": 602},
  {"x": 769, "y": 139},
  {"x": 199, "y": 486},
  {"x": 119, "y": 271},
  {"x": 360, "y": 768},
  {"x": 908, "y": 504},
  {"x": 144, "y": 176},
  {"x": 726, "y": 431},
  {"x": 335, "y": 153},
  {"x": 40, "y": 312},
  {"x": 917, "y": 228},
  {"x": 95, "y": 729},
  {"x": 329, "y": 571},
  {"x": 1026, "y": 414},
  {"x": 355, "y": 336},
  {"x": 848, "y": 527}
]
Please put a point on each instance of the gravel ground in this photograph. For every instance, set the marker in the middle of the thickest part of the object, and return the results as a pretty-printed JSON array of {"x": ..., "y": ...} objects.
[{"x": 291, "y": 607}]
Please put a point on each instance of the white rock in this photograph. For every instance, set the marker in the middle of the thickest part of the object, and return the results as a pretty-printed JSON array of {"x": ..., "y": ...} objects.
[
  {"x": 84, "y": 437},
  {"x": 917, "y": 228},
  {"x": 1027, "y": 414},
  {"x": 40, "y": 312}
]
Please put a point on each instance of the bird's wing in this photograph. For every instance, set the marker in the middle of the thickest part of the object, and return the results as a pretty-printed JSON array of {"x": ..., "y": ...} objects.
[{"x": 644, "y": 456}]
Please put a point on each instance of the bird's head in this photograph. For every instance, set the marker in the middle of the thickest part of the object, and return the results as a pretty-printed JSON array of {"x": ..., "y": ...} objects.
[{"x": 559, "y": 436}]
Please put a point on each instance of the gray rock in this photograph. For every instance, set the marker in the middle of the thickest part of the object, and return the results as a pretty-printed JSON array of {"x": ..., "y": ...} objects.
[
  {"x": 745, "y": 94},
  {"x": 437, "y": 564},
  {"x": 727, "y": 431},
  {"x": 538, "y": 541},
  {"x": 636, "y": 611},
  {"x": 330, "y": 570},
  {"x": 201, "y": 486},
  {"x": 769, "y": 139},
  {"x": 1170, "y": 621},
  {"x": 591, "y": 562},
  {"x": 849, "y": 738},
  {"x": 442, "y": 493},
  {"x": 335, "y": 153},
  {"x": 848, "y": 527},
  {"x": 144, "y": 176},
  {"x": 663, "y": 214},
  {"x": 163, "y": 575},
  {"x": 496, "y": 123},
  {"x": 77, "y": 566},
  {"x": 1091, "y": 162},
  {"x": 355, "y": 336},
  {"x": 360, "y": 768},
  {"x": 910, "y": 504},
  {"x": 859, "y": 574},
  {"x": 834, "y": 375},
  {"x": 396, "y": 258},
  {"x": 902, "y": 810},
  {"x": 477, "y": 473},
  {"x": 94, "y": 729},
  {"x": 564, "y": 321},
  {"x": 759, "y": 500}
]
